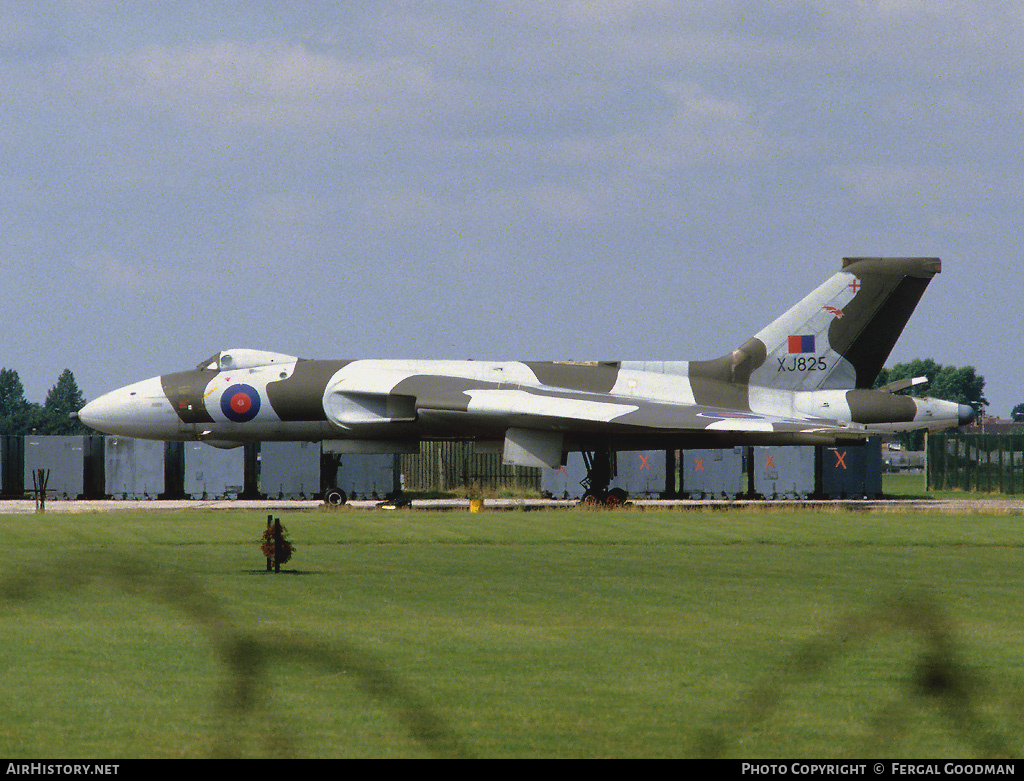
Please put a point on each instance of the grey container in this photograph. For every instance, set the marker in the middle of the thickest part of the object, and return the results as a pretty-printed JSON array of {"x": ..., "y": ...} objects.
[
  {"x": 713, "y": 474},
  {"x": 564, "y": 482},
  {"x": 852, "y": 472},
  {"x": 640, "y": 473},
  {"x": 12, "y": 465},
  {"x": 784, "y": 472},
  {"x": 134, "y": 468},
  {"x": 63, "y": 458},
  {"x": 290, "y": 470},
  {"x": 213, "y": 473},
  {"x": 367, "y": 475}
]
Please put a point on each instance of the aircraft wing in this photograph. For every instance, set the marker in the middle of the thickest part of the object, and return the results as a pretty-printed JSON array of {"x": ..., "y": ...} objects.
[
  {"x": 540, "y": 422},
  {"x": 548, "y": 410}
]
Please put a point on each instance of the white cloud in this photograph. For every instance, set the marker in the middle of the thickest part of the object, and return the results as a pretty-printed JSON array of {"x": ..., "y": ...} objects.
[
  {"x": 699, "y": 128},
  {"x": 231, "y": 84},
  {"x": 932, "y": 186},
  {"x": 879, "y": 183},
  {"x": 102, "y": 271}
]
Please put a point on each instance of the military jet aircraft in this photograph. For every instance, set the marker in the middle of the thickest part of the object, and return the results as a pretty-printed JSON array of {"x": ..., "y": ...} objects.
[{"x": 806, "y": 378}]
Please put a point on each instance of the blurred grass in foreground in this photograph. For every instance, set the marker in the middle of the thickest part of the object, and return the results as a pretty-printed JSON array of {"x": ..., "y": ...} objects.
[{"x": 565, "y": 633}]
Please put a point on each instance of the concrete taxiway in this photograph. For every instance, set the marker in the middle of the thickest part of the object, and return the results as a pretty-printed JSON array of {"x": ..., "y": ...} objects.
[{"x": 28, "y": 506}]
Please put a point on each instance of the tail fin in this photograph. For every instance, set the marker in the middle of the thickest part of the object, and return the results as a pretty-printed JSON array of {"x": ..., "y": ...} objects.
[{"x": 837, "y": 337}]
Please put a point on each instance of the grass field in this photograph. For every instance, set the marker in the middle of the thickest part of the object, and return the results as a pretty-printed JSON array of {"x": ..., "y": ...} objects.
[
  {"x": 913, "y": 486},
  {"x": 564, "y": 633}
]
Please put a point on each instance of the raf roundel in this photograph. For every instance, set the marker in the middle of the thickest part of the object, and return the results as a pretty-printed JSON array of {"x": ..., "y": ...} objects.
[{"x": 240, "y": 403}]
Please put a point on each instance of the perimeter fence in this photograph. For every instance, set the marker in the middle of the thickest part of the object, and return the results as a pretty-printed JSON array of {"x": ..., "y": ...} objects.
[
  {"x": 992, "y": 463},
  {"x": 444, "y": 466}
]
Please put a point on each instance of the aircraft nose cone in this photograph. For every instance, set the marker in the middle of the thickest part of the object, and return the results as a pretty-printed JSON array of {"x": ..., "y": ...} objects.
[
  {"x": 966, "y": 414},
  {"x": 110, "y": 413},
  {"x": 90, "y": 414},
  {"x": 139, "y": 410}
]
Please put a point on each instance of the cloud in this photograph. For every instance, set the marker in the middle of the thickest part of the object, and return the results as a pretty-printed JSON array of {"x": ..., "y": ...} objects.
[
  {"x": 697, "y": 128},
  {"x": 239, "y": 85},
  {"x": 932, "y": 186},
  {"x": 104, "y": 272}
]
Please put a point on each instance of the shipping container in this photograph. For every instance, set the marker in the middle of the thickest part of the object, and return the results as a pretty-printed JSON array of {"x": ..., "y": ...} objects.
[
  {"x": 62, "y": 458},
  {"x": 851, "y": 471},
  {"x": 289, "y": 470},
  {"x": 134, "y": 468},
  {"x": 713, "y": 474},
  {"x": 366, "y": 475},
  {"x": 213, "y": 473},
  {"x": 12, "y": 465},
  {"x": 784, "y": 472},
  {"x": 641, "y": 474}
]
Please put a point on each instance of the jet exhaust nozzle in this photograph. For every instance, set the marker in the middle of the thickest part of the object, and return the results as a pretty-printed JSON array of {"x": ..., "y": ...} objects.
[{"x": 966, "y": 414}]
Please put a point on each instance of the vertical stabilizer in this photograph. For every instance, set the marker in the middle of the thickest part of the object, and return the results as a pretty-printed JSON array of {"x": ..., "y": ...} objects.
[{"x": 841, "y": 334}]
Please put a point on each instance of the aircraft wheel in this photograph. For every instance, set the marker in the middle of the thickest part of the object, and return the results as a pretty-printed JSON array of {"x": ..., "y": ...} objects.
[
  {"x": 616, "y": 498},
  {"x": 335, "y": 497}
]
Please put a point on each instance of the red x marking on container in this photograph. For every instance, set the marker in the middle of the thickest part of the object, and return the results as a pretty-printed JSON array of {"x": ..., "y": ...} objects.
[
  {"x": 643, "y": 461},
  {"x": 698, "y": 464},
  {"x": 769, "y": 462},
  {"x": 840, "y": 459}
]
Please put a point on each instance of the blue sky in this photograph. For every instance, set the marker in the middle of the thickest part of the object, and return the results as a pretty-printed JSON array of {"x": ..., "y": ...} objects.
[{"x": 591, "y": 180}]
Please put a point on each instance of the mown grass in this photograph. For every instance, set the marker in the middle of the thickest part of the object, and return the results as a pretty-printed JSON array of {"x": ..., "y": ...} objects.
[
  {"x": 914, "y": 486},
  {"x": 513, "y": 634}
]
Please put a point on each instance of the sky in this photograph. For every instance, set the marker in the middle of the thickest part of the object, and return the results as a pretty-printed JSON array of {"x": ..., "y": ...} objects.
[{"x": 520, "y": 179}]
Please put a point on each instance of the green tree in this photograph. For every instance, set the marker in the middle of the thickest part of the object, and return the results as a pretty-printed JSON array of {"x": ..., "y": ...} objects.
[
  {"x": 21, "y": 417},
  {"x": 63, "y": 399},
  {"x": 1018, "y": 413},
  {"x": 31, "y": 419},
  {"x": 12, "y": 393}
]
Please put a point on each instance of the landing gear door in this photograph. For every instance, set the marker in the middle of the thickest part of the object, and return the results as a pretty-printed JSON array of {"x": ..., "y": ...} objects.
[{"x": 528, "y": 447}]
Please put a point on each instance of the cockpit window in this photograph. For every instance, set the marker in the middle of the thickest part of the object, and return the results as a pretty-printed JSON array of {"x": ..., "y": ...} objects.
[
  {"x": 238, "y": 359},
  {"x": 211, "y": 364}
]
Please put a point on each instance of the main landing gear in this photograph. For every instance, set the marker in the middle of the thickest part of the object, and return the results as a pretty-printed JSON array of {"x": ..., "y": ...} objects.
[
  {"x": 600, "y": 471},
  {"x": 335, "y": 496}
]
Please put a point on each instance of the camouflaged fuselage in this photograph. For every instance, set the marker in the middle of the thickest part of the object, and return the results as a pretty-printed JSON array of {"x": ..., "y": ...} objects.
[{"x": 804, "y": 379}]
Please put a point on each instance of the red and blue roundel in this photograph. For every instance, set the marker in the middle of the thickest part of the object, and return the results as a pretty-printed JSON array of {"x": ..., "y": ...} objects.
[{"x": 240, "y": 403}]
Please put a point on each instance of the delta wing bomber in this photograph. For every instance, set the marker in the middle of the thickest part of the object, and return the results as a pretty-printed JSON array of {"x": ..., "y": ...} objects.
[{"x": 804, "y": 379}]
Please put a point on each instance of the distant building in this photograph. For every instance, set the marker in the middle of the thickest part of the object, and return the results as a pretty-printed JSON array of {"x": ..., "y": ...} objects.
[{"x": 987, "y": 425}]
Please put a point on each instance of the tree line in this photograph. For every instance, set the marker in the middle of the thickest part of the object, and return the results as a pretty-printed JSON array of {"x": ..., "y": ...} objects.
[{"x": 20, "y": 416}]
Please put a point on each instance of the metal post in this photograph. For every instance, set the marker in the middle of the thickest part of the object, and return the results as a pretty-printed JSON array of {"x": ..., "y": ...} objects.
[
  {"x": 40, "y": 477},
  {"x": 270, "y": 524},
  {"x": 277, "y": 545}
]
